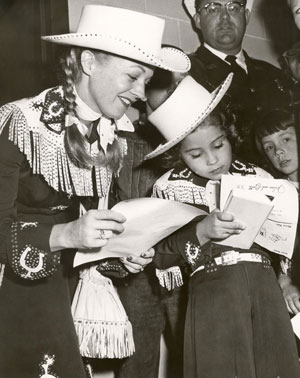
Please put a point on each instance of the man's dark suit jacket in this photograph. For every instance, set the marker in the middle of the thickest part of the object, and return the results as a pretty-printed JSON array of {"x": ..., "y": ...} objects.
[{"x": 250, "y": 95}]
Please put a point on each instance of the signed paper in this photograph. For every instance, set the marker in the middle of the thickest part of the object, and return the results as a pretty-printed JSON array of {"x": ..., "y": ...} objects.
[
  {"x": 248, "y": 208},
  {"x": 278, "y": 232},
  {"x": 148, "y": 220}
]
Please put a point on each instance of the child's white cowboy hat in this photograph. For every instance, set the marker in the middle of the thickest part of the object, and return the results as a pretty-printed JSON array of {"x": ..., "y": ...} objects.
[
  {"x": 124, "y": 32},
  {"x": 190, "y": 6},
  {"x": 184, "y": 110}
]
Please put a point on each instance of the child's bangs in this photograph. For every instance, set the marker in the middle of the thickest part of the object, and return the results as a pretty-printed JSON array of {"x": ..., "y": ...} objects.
[{"x": 273, "y": 122}]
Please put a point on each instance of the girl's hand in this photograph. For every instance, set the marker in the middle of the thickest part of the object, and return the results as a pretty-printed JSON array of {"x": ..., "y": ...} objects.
[
  {"x": 290, "y": 293},
  {"x": 92, "y": 230},
  {"x": 136, "y": 264},
  {"x": 218, "y": 225}
]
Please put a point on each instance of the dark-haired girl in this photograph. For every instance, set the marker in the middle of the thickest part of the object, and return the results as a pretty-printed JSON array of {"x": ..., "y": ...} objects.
[
  {"x": 236, "y": 323},
  {"x": 276, "y": 139}
]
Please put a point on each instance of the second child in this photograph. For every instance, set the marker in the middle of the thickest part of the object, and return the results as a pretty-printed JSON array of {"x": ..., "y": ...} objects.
[
  {"x": 277, "y": 141},
  {"x": 237, "y": 324}
]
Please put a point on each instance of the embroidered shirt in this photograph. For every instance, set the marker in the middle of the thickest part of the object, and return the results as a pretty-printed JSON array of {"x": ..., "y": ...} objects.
[
  {"x": 39, "y": 183},
  {"x": 183, "y": 247},
  {"x": 36, "y": 126}
]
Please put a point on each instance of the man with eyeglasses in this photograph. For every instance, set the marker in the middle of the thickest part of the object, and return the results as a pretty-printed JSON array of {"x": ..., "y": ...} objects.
[{"x": 256, "y": 86}]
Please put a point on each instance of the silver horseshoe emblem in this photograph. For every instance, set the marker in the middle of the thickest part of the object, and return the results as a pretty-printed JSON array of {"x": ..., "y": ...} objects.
[
  {"x": 54, "y": 112},
  {"x": 29, "y": 269},
  {"x": 192, "y": 252}
]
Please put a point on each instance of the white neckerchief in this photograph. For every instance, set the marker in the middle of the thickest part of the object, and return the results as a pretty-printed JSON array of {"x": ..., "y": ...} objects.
[
  {"x": 240, "y": 57},
  {"x": 84, "y": 113},
  {"x": 106, "y": 126}
]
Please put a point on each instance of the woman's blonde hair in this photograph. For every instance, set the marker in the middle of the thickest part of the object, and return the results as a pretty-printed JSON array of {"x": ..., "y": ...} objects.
[{"x": 74, "y": 141}]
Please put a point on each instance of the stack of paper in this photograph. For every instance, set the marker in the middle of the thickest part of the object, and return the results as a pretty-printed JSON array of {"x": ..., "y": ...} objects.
[
  {"x": 250, "y": 209},
  {"x": 148, "y": 221},
  {"x": 278, "y": 232}
]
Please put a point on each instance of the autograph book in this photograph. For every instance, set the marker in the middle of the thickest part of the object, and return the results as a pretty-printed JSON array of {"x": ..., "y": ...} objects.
[
  {"x": 250, "y": 209},
  {"x": 269, "y": 205}
]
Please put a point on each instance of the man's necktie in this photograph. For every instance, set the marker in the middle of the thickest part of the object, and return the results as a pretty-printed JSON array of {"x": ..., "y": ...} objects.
[{"x": 236, "y": 69}]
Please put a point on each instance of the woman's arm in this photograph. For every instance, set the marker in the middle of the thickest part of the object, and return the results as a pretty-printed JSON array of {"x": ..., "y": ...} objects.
[
  {"x": 27, "y": 241},
  {"x": 86, "y": 232}
]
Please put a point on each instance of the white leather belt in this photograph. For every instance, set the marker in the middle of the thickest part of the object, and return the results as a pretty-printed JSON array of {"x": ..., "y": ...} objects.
[{"x": 231, "y": 258}]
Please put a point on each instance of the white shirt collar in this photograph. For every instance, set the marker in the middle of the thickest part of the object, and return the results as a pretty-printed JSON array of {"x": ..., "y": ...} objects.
[
  {"x": 124, "y": 124},
  {"x": 240, "y": 57}
]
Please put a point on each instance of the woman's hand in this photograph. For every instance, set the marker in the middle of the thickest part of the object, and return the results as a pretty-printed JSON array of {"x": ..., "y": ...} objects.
[
  {"x": 92, "y": 230},
  {"x": 217, "y": 225},
  {"x": 290, "y": 293},
  {"x": 136, "y": 264}
]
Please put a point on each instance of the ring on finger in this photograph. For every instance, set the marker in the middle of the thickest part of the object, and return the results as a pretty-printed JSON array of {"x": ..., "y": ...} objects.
[{"x": 102, "y": 234}]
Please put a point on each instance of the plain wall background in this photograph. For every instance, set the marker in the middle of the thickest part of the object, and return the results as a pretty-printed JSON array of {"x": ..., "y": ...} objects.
[{"x": 270, "y": 31}]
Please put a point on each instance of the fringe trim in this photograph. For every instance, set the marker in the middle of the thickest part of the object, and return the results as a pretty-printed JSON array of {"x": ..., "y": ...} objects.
[
  {"x": 123, "y": 149},
  {"x": 170, "y": 278},
  {"x": 46, "y": 155},
  {"x": 123, "y": 146},
  {"x": 2, "y": 267},
  {"x": 107, "y": 339},
  {"x": 88, "y": 369},
  {"x": 181, "y": 191}
]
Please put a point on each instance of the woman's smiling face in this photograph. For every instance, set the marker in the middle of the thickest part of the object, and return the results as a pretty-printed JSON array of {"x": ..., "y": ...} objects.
[{"x": 115, "y": 83}]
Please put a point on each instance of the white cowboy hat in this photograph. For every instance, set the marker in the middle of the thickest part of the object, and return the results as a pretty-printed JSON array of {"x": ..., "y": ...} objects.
[
  {"x": 124, "y": 32},
  {"x": 190, "y": 6},
  {"x": 184, "y": 110}
]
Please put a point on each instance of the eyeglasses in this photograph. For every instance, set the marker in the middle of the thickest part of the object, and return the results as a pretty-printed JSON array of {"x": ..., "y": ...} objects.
[{"x": 214, "y": 9}]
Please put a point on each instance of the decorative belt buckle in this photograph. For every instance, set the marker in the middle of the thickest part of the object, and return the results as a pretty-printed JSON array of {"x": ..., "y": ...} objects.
[{"x": 230, "y": 257}]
